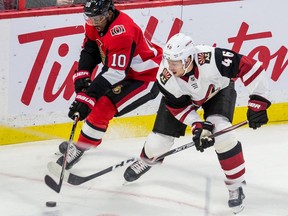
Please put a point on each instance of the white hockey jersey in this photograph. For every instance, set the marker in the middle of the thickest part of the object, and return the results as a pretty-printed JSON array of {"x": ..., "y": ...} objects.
[{"x": 213, "y": 69}]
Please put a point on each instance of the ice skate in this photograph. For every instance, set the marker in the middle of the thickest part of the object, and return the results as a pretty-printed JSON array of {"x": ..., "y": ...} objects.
[
  {"x": 236, "y": 198},
  {"x": 136, "y": 170},
  {"x": 73, "y": 157}
]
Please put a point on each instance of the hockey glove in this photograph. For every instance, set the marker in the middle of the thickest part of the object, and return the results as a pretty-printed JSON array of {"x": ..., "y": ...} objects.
[
  {"x": 83, "y": 104},
  {"x": 201, "y": 131},
  {"x": 81, "y": 80},
  {"x": 257, "y": 111}
]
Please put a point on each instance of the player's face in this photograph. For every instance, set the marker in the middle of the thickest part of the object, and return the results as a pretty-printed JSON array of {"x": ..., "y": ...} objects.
[
  {"x": 99, "y": 22},
  {"x": 176, "y": 67}
]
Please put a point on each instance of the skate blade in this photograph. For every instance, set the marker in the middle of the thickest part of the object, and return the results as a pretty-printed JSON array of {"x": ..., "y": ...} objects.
[
  {"x": 125, "y": 183},
  {"x": 58, "y": 153},
  {"x": 237, "y": 209}
]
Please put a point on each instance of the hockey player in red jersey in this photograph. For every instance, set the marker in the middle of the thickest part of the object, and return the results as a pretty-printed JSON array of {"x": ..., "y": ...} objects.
[
  {"x": 191, "y": 77},
  {"x": 127, "y": 78}
]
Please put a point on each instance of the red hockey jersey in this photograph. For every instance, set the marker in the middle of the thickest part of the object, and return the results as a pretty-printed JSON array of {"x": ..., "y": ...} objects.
[{"x": 125, "y": 52}]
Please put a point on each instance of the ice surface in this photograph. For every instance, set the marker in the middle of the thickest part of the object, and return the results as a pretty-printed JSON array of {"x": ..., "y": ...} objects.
[{"x": 187, "y": 183}]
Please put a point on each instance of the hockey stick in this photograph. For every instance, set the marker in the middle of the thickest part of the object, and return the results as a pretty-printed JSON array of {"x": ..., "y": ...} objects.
[
  {"x": 48, "y": 180},
  {"x": 190, "y": 144},
  {"x": 77, "y": 180}
]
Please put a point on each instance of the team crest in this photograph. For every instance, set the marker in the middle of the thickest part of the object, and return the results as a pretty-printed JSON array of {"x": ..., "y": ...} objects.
[
  {"x": 204, "y": 58},
  {"x": 117, "y": 30},
  {"x": 117, "y": 89},
  {"x": 165, "y": 76}
]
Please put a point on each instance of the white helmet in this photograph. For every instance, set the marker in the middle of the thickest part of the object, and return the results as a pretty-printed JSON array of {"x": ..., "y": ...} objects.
[{"x": 179, "y": 47}]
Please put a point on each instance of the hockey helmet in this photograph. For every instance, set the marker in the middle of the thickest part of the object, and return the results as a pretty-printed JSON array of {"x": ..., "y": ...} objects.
[
  {"x": 179, "y": 47},
  {"x": 95, "y": 11}
]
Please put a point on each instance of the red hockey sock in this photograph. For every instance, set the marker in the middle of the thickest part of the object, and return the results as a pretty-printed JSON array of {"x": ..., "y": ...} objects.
[
  {"x": 233, "y": 164},
  {"x": 97, "y": 122}
]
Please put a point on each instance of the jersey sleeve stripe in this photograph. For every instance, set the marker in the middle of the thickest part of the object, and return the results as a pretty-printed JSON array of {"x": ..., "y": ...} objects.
[
  {"x": 186, "y": 115},
  {"x": 114, "y": 76},
  {"x": 252, "y": 74}
]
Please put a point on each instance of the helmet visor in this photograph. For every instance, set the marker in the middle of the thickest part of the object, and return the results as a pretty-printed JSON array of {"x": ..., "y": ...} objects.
[
  {"x": 172, "y": 65},
  {"x": 95, "y": 20},
  {"x": 177, "y": 67}
]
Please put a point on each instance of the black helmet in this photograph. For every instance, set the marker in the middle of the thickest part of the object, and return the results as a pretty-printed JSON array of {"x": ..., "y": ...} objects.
[{"x": 98, "y": 7}]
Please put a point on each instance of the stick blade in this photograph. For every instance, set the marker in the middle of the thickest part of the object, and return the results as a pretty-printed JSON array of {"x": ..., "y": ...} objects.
[
  {"x": 52, "y": 184},
  {"x": 56, "y": 170},
  {"x": 75, "y": 179},
  {"x": 71, "y": 178}
]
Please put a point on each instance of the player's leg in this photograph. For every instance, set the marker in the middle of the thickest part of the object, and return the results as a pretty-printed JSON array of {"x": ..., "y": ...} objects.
[
  {"x": 219, "y": 110},
  {"x": 159, "y": 141},
  {"x": 92, "y": 131},
  {"x": 122, "y": 98}
]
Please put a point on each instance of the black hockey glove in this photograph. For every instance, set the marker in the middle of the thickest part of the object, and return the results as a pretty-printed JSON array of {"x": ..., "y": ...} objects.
[
  {"x": 83, "y": 104},
  {"x": 82, "y": 80},
  {"x": 257, "y": 111},
  {"x": 200, "y": 132}
]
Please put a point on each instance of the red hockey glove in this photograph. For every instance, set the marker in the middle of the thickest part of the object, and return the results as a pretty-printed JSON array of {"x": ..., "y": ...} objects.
[
  {"x": 201, "y": 131},
  {"x": 83, "y": 104},
  {"x": 257, "y": 111},
  {"x": 82, "y": 80}
]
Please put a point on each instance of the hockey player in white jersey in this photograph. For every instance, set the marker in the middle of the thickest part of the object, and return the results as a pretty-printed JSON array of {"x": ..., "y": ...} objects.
[{"x": 193, "y": 76}]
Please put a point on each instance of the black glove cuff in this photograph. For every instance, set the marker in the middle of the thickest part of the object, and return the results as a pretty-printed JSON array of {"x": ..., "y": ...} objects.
[{"x": 260, "y": 98}]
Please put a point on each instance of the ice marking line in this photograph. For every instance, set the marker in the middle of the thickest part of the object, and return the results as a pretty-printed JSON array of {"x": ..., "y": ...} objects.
[
  {"x": 112, "y": 192},
  {"x": 20, "y": 177},
  {"x": 149, "y": 197}
]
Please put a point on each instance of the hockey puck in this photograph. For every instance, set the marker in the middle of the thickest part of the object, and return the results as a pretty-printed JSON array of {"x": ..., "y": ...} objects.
[{"x": 50, "y": 204}]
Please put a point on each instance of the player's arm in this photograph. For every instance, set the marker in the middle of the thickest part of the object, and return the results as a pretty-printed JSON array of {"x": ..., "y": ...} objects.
[
  {"x": 183, "y": 110},
  {"x": 182, "y": 107},
  {"x": 252, "y": 74},
  {"x": 89, "y": 58}
]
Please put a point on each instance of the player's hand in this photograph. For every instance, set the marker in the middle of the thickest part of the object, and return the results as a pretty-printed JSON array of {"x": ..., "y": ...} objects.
[
  {"x": 83, "y": 104},
  {"x": 200, "y": 132},
  {"x": 257, "y": 111},
  {"x": 82, "y": 80}
]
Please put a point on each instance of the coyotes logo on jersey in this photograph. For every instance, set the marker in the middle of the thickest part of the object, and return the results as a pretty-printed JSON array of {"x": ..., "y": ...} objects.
[
  {"x": 204, "y": 58},
  {"x": 165, "y": 76}
]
